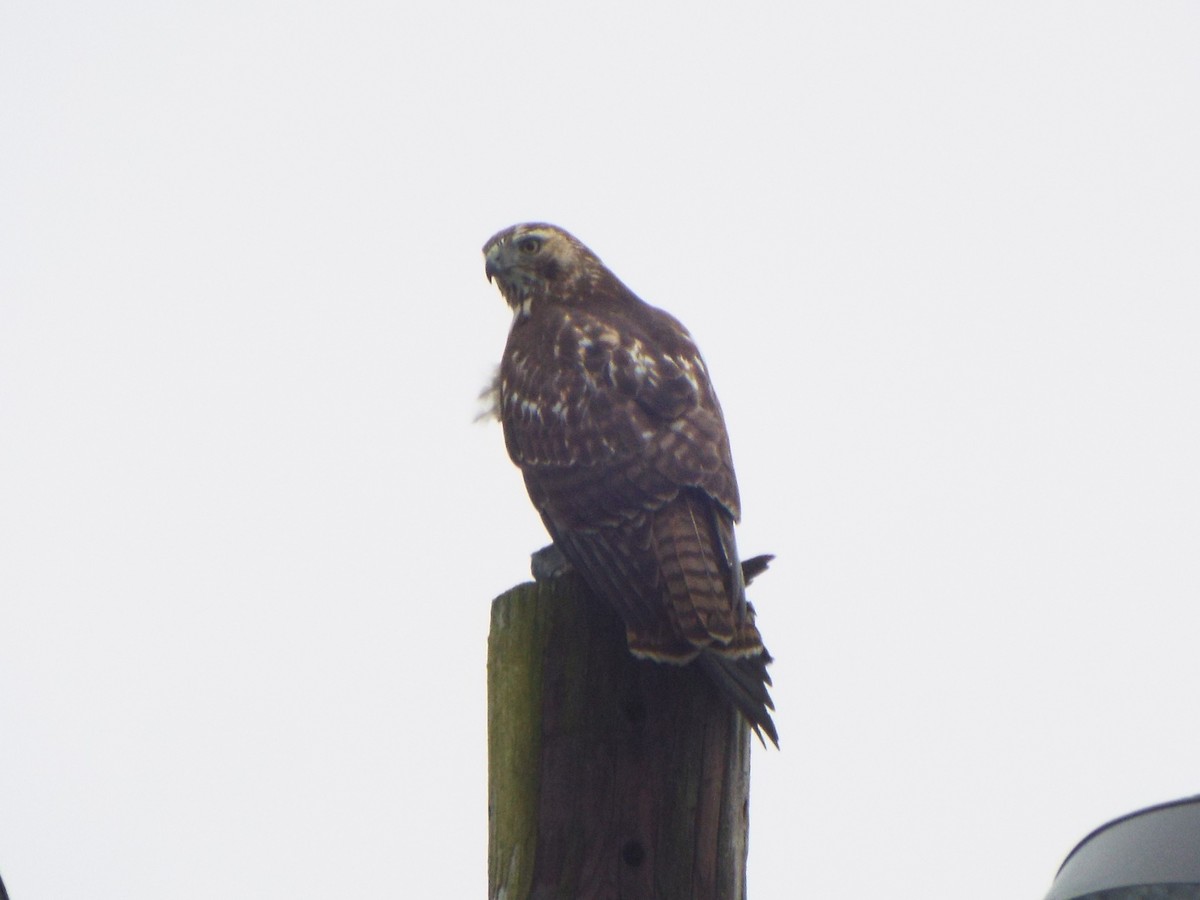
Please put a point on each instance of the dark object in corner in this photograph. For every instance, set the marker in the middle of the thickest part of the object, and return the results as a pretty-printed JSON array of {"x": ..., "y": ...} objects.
[{"x": 1152, "y": 854}]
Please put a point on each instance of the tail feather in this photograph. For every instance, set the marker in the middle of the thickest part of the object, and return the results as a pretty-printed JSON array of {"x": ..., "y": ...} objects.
[
  {"x": 755, "y": 566},
  {"x": 696, "y": 580},
  {"x": 744, "y": 683}
]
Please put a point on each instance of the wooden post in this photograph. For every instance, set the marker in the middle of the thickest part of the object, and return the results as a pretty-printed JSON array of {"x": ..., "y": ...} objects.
[{"x": 608, "y": 776}]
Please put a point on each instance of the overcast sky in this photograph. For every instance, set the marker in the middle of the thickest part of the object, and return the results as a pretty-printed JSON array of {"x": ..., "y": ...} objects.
[{"x": 943, "y": 260}]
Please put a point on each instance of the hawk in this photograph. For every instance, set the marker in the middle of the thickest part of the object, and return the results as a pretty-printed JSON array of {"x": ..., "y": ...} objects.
[{"x": 610, "y": 415}]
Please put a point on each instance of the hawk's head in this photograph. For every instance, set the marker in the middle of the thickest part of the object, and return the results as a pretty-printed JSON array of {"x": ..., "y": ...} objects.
[{"x": 538, "y": 260}]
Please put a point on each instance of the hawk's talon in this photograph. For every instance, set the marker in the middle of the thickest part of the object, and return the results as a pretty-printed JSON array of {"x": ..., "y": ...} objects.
[{"x": 548, "y": 563}]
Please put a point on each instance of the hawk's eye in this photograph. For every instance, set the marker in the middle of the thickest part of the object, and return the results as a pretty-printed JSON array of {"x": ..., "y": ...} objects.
[{"x": 529, "y": 245}]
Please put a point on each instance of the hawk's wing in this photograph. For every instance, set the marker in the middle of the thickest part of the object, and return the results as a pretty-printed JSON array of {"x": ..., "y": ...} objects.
[{"x": 625, "y": 455}]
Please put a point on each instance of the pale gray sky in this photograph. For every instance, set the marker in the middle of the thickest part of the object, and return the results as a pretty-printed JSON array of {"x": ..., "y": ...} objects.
[{"x": 942, "y": 259}]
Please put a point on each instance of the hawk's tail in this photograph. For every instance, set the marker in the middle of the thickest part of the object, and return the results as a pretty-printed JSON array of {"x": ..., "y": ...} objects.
[{"x": 744, "y": 682}]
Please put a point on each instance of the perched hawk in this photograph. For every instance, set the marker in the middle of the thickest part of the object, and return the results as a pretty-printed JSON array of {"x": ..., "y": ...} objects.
[{"x": 610, "y": 415}]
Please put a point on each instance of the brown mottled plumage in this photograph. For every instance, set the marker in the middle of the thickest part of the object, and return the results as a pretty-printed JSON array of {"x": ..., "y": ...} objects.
[{"x": 609, "y": 413}]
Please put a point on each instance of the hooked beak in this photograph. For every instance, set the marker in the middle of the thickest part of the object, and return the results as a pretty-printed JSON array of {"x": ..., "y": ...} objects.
[{"x": 492, "y": 267}]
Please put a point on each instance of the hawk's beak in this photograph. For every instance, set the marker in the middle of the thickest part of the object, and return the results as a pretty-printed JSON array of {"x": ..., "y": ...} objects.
[{"x": 492, "y": 267}]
